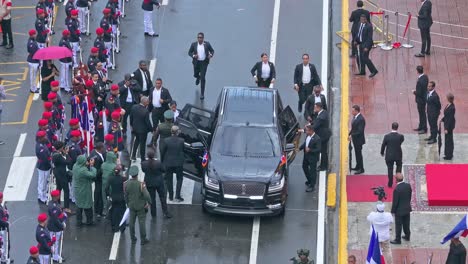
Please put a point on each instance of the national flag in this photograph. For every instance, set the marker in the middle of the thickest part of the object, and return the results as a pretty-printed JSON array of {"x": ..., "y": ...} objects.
[
  {"x": 75, "y": 107},
  {"x": 205, "y": 159},
  {"x": 87, "y": 124},
  {"x": 281, "y": 163},
  {"x": 374, "y": 255},
  {"x": 461, "y": 229}
]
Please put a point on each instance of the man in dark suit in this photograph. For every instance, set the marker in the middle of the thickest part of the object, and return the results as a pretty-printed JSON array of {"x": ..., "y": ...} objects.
[
  {"x": 159, "y": 99},
  {"x": 358, "y": 138},
  {"x": 355, "y": 18},
  {"x": 305, "y": 79},
  {"x": 322, "y": 128},
  {"x": 128, "y": 96},
  {"x": 98, "y": 155},
  {"x": 391, "y": 146},
  {"x": 143, "y": 78},
  {"x": 433, "y": 112},
  {"x": 424, "y": 25},
  {"x": 311, "y": 147},
  {"x": 201, "y": 52},
  {"x": 316, "y": 97},
  {"x": 449, "y": 126},
  {"x": 172, "y": 152},
  {"x": 141, "y": 125},
  {"x": 401, "y": 209},
  {"x": 264, "y": 72},
  {"x": 365, "y": 42},
  {"x": 420, "y": 95}
]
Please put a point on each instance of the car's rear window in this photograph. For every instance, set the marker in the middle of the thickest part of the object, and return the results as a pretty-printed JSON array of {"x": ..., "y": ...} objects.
[{"x": 250, "y": 106}]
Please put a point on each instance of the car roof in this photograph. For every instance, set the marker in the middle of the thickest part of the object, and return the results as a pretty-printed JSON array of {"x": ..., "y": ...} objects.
[{"x": 248, "y": 105}]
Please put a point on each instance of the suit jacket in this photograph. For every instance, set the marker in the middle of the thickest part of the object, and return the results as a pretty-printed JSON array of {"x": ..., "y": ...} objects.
[
  {"x": 401, "y": 204},
  {"x": 314, "y": 146},
  {"x": 357, "y": 130},
  {"x": 425, "y": 15},
  {"x": 314, "y": 77},
  {"x": 433, "y": 105},
  {"x": 449, "y": 117},
  {"x": 208, "y": 51},
  {"x": 153, "y": 170},
  {"x": 173, "y": 152},
  {"x": 421, "y": 89},
  {"x": 356, "y": 19},
  {"x": 97, "y": 163},
  {"x": 139, "y": 119},
  {"x": 391, "y": 146},
  {"x": 257, "y": 70},
  {"x": 310, "y": 103},
  {"x": 123, "y": 93},
  {"x": 165, "y": 95},
  {"x": 139, "y": 77},
  {"x": 321, "y": 125},
  {"x": 367, "y": 33}
]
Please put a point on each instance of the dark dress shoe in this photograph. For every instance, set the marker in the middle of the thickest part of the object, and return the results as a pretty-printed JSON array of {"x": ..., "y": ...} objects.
[
  {"x": 144, "y": 242},
  {"x": 428, "y": 53},
  {"x": 353, "y": 169},
  {"x": 373, "y": 74},
  {"x": 390, "y": 185},
  {"x": 359, "y": 172},
  {"x": 307, "y": 183},
  {"x": 179, "y": 199},
  {"x": 167, "y": 216},
  {"x": 421, "y": 132},
  {"x": 171, "y": 199},
  {"x": 395, "y": 242},
  {"x": 146, "y": 34},
  {"x": 9, "y": 46},
  {"x": 202, "y": 97},
  {"x": 299, "y": 108},
  {"x": 360, "y": 74},
  {"x": 153, "y": 35},
  {"x": 134, "y": 241},
  {"x": 197, "y": 81},
  {"x": 310, "y": 189},
  {"x": 428, "y": 139},
  {"x": 416, "y": 129},
  {"x": 447, "y": 158},
  {"x": 407, "y": 238},
  {"x": 420, "y": 55},
  {"x": 432, "y": 142}
]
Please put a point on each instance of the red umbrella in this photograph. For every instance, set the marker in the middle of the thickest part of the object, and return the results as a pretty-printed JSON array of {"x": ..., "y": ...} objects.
[{"x": 52, "y": 53}]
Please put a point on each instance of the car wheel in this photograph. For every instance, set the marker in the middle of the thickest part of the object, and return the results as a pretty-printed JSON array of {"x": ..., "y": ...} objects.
[{"x": 283, "y": 211}]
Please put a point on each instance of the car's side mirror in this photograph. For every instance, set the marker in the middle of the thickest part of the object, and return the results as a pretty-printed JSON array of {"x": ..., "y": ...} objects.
[
  {"x": 290, "y": 147},
  {"x": 197, "y": 145}
]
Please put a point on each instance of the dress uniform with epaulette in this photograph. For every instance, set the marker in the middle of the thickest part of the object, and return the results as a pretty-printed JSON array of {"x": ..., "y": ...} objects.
[
  {"x": 74, "y": 124},
  {"x": 116, "y": 130},
  {"x": 112, "y": 100},
  {"x": 74, "y": 147},
  {"x": 32, "y": 48},
  {"x": 109, "y": 143},
  {"x": 93, "y": 59},
  {"x": 41, "y": 28},
  {"x": 65, "y": 63},
  {"x": 43, "y": 165},
  {"x": 69, "y": 6},
  {"x": 82, "y": 7},
  {"x": 73, "y": 26},
  {"x": 50, "y": 5},
  {"x": 40, "y": 5},
  {"x": 107, "y": 26},
  {"x": 44, "y": 239},
  {"x": 34, "y": 258},
  {"x": 148, "y": 7},
  {"x": 99, "y": 43},
  {"x": 56, "y": 223},
  {"x": 4, "y": 231}
]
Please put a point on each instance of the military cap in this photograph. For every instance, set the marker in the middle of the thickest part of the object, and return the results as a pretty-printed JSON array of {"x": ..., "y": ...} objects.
[
  {"x": 42, "y": 122},
  {"x": 74, "y": 12},
  {"x": 41, "y": 133},
  {"x": 133, "y": 171},
  {"x": 52, "y": 96},
  {"x": 32, "y": 32},
  {"x": 55, "y": 193},
  {"x": 74, "y": 122},
  {"x": 54, "y": 83},
  {"x": 47, "y": 115},
  {"x": 75, "y": 133},
  {"x": 109, "y": 137},
  {"x": 168, "y": 114},
  {"x": 303, "y": 252},
  {"x": 33, "y": 250},
  {"x": 42, "y": 217},
  {"x": 114, "y": 87}
]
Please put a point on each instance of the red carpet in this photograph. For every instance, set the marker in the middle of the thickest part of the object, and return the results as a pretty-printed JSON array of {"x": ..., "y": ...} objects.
[
  {"x": 359, "y": 187},
  {"x": 447, "y": 184}
]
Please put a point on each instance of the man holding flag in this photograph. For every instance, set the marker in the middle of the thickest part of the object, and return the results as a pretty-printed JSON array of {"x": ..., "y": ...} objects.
[
  {"x": 457, "y": 253},
  {"x": 374, "y": 255}
]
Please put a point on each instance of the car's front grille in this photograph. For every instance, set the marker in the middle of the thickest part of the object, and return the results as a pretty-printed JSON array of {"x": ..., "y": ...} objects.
[{"x": 244, "y": 189}]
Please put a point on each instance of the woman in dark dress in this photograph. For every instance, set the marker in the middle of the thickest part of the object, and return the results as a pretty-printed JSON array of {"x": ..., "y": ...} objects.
[
  {"x": 449, "y": 126},
  {"x": 48, "y": 72},
  {"x": 116, "y": 191}
]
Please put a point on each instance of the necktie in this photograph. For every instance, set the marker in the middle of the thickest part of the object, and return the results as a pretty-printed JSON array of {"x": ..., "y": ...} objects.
[
  {"x": 146, "y": 77},
  {"x": 360, "y": 31}
]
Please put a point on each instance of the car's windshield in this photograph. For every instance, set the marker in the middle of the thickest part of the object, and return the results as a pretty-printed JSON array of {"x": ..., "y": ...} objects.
[{"x": 246, "y": 142}]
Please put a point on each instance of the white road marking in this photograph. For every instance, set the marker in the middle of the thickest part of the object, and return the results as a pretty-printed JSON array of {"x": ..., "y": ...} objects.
[
  {"x": 324, "y": 72},
  {"x": 165, "y": 2},
  {"x": 20, "y": 145},
  {"x": 274, "y": 32},
  {"x": 19, "y": 178},
  {"x": 321, "y": 217},
  {"x": 186, "y": 191},
  {"x": 152, "y": 67},
  {"x": 254, "y": 242},
  {"x": 115, "y": 246}
]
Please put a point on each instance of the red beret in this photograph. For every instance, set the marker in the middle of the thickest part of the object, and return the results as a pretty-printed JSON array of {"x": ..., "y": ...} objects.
[
  {"x": 75, "y": 133},
  {"x": 55, "y": 193},
  {"x": 89, "y": 83},
  {"x": 33, "y": 250},
  {"x": 40, "y": 11},
  {"x": 48, "y": 105},
  {"x": 41, "y": 133},
  {"x": 74, "y": 12},
  {"x": 52, "y": 96},
  {"x": 73, "y": 122},
  {"x": 106, "y": 11},
  {"x": 109, "y": 137},
  {"x": 42, "y": 217},
  {"x": 99, "y": 31},
  {"x": 115, "y": 115},
  {"x": 32, "y": 32},
  {"x": 94, "y": 50},
  {"x": 54, "y": 83},
  {"x": 65, "y": 32},
  {"x": 43, "y": 122},
  {"x": 114, "y": 87},
  {"x": 47, "y": 115}
]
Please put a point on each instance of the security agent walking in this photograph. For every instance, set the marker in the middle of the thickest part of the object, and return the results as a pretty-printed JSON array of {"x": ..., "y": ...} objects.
[
  {"x": 356, "y": 135},
  {"x": 264, "y": 72},
  {"x": 141, "y": 126},
  {"x": 420, "y": 95},
  {"x": 355, "y": 18},
  {"x": 201, "y": 52},
  {"x": 449, "y": 126},
  {"x": 424, "y": 25},
  {"x": 128, "y": 96},
  {"x": 305, "y": 78},
  {"x": 365, "y": 42},
  {"x": 61, "y": 160},
  {"x": 311, "y": 148},
  {"x": 56, "y": 224},
  {"x": 143, "y": 78},
  {"x": 433, "y": 112},
  {"x": 401, "y": 209},
  {"x": 159, "y": 99},
  {"x": 5, "y": 23},
  {"x": 98, "y": 155},
  {"x": 321, "y": 126},
  {"x": 391, "y": 146},
  {"x": 315, "y": 97},
  {"x": 138, "y": 200},
  {"x": 172, "y": 152}
]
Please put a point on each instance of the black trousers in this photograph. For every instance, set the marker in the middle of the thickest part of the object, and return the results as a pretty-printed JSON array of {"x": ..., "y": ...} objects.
[
  {"x": 448, "y": 144},
  {"x": 157, "y": 116},
  {"x": 169, "y": 178},
  {"x": 425, "y": 40},
  {"x": 390, "y": 169},
  {"x": 140, "y": 142},
  {"x": 364, "y": 61},
  {"x": 353, "y": 45},
  {"x": 324, "y": 154},
  {"x": 79, "y": 215},
  {"x": 432, "y": 120},
  {"x": 358, "y": 154},
  {"x": 162, "y": 198},
  {"x": 199, "y": 72},
  {"x": 422, "y": 116},
  {"x": 264, "y": 83},
  {"x": 304, "y": 91},
  {"x": 309, "y": 166},
  {"x": 7, "y": 33},
  {"x": 117, "y": 211},
  {"x": 98, "y": 203},
  {"x": 402, "y": 221},
  {"x": 128, "y": 108},
  {"x": 62, "y": 186}
]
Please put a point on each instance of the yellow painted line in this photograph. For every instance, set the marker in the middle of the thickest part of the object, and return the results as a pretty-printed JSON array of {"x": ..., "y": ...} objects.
[
  {"x": 11, "y": 94},
  {"x": 343, "y": 210},
  {"x": 23, "y": 7},
  {"x": 7, "y": 100},
  {"x": 10, "y": 74},
  {"x": 21, "y": 34},
  {"x": 25, "y": 114},
  {"x": 11, "y": 89},
  {"x": 331, "y": 190}
]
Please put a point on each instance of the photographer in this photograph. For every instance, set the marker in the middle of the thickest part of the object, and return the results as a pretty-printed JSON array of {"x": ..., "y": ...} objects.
[
  {"x": 381, "y": 221},
  {"x": 84, "y": 174},
  {"x": 61, "y": 160},
  {"x": 99, "y": 90},
  {"x": 129, "y": 96}
]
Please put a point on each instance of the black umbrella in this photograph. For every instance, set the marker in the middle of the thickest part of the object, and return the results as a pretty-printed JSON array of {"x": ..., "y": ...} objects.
[
  {"x": 350, "y": 148},
  {"x": 439, "y": 139}
]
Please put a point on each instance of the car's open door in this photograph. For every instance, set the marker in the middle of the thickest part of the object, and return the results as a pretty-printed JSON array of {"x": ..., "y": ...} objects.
[
  {"x": 202, "y": 119},
  {"x": 289, "y": 125}
]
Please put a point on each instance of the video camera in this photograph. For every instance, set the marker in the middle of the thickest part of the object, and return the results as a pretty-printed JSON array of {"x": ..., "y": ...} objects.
[{"x": 380, "y": 192}]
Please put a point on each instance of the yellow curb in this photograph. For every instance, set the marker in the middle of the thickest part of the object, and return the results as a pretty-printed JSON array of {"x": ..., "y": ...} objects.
[{"x": 331, "y": 190}]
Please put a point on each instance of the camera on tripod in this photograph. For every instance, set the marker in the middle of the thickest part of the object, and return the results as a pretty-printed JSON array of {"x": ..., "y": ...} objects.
[{"x": 380, "y": 192}]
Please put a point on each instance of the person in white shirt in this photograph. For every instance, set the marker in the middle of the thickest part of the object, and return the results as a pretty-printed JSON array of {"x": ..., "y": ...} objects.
[
  {"x": 382, "y": 221},
  {"x": 143, "y": 78},
  {"x": 173, "y": 106},
  {"x": 264, "y": 72},
  {"x": 201, "y": 52},
  {"x": 305, "y": 78}
]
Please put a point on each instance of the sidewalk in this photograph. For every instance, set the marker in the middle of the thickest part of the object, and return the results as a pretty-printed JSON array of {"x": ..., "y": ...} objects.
[{"x": 387, "y": 98}]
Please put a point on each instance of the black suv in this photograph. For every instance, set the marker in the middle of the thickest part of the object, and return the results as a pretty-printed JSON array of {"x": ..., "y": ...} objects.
[{"x": 241, "y": 151}]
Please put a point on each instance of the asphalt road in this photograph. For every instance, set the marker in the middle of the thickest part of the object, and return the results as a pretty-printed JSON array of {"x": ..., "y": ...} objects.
[{"x": 239, "y": 31}]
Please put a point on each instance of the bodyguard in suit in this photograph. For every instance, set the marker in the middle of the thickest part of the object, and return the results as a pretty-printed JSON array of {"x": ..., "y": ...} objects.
[
  {"x": 424, "y": 25},
  {"x": 316, "y": 97},
  {"x": 159, "y": 100},
  {"x": 172, "y": 152},
  {"x": 128, "y": 96},
  {"x": 433, "y": 111},
  {"x": 322, "y": 129},
  {"x": 98, "y": 155},
  {"x": 143, "y": 78},
  {"x": 141, "y": 125},
  {"x": 201, "y": 52},
  {"x": 311, "y": 148},
  {"x": 305, "y": 78},
  {"x": 420, "y": 95},
  {"x": 358, "y": 138},
  {"x": 391, "y": 147},
  {"x": 365, "y": 42},
  {"x": 264, "y": 72},
  {"x": 355, "y": 18},
  {"x": 401, "y": 209},
  {"x": 449, "y": 126}
]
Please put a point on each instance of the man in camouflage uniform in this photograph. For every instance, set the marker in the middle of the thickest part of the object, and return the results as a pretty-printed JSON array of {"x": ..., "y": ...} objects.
[
  {"x": 303, "y": 255},
  {"x": 164, "y": 129}
]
